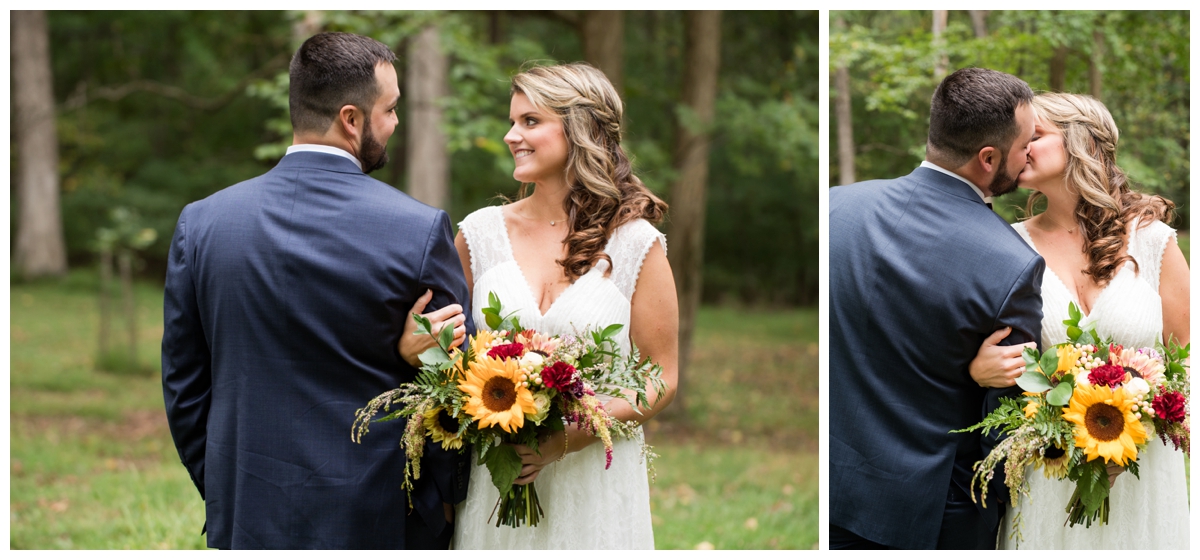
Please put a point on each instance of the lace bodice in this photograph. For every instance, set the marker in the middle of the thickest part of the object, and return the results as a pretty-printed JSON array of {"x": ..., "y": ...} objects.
[
  {"x": 1147, "y": 512},
  {"x": 586, "y": 506},
  {"x": 1128, "y": 309},
  {"x": 596, "y": 299}
]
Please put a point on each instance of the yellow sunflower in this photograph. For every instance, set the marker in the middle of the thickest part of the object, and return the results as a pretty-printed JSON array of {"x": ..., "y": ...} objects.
[
  {"x": 481, "y": 342},
  {"x": 1104, "y": 423},
  {"x": 443, "y": 428},
  {"x": 496, "y": 395},
  {"x": 1055, "y": 462},
  {"x": 1068, "y": 355}
]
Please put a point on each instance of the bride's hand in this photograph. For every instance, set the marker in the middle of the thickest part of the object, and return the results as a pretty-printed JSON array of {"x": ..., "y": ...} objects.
[
  {"x": 552, "y": 448},
  {"x": 411, "y": 345},
  {"x": 998, "y": 366},
  {"x": 1113, "y": 470}
]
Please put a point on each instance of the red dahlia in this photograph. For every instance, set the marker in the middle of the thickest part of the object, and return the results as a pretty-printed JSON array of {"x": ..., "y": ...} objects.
[
  {"x": 1107, "y": 374},
  {"x": 512, "y": 350},
  {"x": 1170, "y": 406},
  {"x": 558, "y": 375}
]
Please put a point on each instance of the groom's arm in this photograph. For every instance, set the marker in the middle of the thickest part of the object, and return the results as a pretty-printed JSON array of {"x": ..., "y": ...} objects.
[
  {"x": 186, "y": 361},
  {"x": 442, "y": 272},
  {"x": 1022, "y": 310}
]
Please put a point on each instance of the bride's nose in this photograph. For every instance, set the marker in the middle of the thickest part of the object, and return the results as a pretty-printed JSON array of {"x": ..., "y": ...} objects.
[{"x": 512, "y": 137}]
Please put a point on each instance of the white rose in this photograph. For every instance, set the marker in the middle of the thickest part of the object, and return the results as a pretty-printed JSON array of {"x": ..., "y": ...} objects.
[
  {"x": 531, "y": 360},
  {"x": 541, "y": 403},
  {"x": 1137, "y": 386}
]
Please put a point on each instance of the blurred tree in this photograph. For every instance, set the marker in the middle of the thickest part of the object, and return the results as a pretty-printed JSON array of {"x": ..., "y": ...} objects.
[
  {"x": 1138, "y": 60},
  {"x": 688, "y": 193},
  {"x": 428, "y": 154},
  {"x": 40, "y": 250}
]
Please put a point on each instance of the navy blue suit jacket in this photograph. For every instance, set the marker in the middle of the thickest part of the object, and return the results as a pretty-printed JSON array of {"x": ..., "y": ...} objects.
[
  {"x": 285, "y": 298},
  {"x": 921, "y": 272}
]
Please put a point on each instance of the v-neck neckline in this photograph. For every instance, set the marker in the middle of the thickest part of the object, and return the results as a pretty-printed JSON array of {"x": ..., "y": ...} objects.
[
  {"x": 521, "y": 272},
  {"x": 1074, "y": 297}
]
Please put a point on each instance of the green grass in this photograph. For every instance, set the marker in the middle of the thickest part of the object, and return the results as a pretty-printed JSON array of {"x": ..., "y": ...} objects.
[{"x": 93, "y": 465}]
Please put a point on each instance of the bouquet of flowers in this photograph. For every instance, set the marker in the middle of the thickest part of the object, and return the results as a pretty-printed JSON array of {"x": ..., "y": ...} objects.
[
  {"x": 1087, "y": 403},
  {"x": 509, "y": 385}
]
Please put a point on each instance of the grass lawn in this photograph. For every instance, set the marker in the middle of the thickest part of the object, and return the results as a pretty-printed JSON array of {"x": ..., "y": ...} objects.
[{"x": 93, "y": 465}]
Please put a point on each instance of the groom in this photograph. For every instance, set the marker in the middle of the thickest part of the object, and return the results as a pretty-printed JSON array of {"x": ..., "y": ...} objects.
[
  {"x": 921, "y": 272},
  {"x": 285, "y": 299}
]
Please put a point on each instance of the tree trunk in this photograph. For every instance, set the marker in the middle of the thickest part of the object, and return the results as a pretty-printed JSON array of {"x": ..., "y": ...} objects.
[
  {"x": 841, "y": 84},
  {"x": 1058, "y": 68},
  {"x": 604, "y": 43},
  {"x": 40, "y": 250},
  {"x": 311, "y": 24},
  {"x": 939, "y": 26},
  {"x": 427, "y": 82},
  {"x": 979, "y": 23},
  {"x": 702, "y": 59},
  {"x": 1095, "y": 76},
  {"x": 125, "y": 268},
  {"x": 106, "y": 270}
]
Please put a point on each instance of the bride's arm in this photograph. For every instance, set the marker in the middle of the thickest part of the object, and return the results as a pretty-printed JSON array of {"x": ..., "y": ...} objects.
[
  {"x": 1173, "y": 288},
  {"x": 654, "y": 329},
  {"x": 464, "y": 257}
]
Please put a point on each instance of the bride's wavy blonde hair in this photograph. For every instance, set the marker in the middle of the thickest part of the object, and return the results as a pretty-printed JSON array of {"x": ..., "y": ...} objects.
[
  {"x": 1106, "y": 204},
  {"x": 605, "y": 194}
]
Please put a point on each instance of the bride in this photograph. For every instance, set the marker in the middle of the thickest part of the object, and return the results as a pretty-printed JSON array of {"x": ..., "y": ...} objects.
[
  {"x": 1108, "y": 250},
  {"x": 580, "y": 252}
]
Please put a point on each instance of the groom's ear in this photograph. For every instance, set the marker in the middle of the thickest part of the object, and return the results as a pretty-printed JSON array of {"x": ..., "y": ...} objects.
[
  {"x": 350, "y": 122},
  {"x": 988, "y": 158}
]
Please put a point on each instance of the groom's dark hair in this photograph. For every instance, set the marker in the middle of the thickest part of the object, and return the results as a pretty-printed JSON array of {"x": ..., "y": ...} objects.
[
  {"x": 971, "y": 109},
  {"x": 330, "y": 71}
]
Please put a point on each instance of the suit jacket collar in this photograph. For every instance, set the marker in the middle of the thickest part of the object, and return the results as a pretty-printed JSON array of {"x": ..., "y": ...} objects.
[
  {"x": 945, "y": 183},
  {"x": 318, "y": 160}
]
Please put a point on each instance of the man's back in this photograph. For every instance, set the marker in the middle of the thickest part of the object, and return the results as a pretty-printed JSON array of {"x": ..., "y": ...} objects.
[
  {"x": 295, "y": 286},
  {"x": 921, "y": 271}
]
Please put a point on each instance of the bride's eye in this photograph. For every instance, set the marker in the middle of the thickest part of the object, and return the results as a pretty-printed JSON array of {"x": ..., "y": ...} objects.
[{"x": 530, "y": 121}]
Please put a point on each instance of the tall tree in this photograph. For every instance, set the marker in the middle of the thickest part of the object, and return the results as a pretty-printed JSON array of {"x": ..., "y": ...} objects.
[
  {"x": 702, "y": 57},
  {"x": 1095, "y": 62},
  {"x": 943, "y": 60},
  {"x": 841, "y": 85},
  {"x": 979, "y": 23},
  {"x": 1058, "y": 68},
  {"x": 603, "y": 33},
  {"x": 40, "y": 249},
  {"x": 427, "y": 82}
]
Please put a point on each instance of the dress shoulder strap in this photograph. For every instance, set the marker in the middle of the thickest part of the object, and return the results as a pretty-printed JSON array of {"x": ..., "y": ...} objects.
[
  {"x": 1147, "y": 246},
  {"x": 628, "y": 248},
  {"x": 487, "y": 244}
]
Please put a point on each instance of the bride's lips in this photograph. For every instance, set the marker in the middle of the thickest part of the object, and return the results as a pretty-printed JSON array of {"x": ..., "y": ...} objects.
[{"x": 521, "y": 153}]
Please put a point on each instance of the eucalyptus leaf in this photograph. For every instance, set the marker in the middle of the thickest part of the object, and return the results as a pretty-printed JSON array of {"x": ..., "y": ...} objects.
[
  {"x": 446, "y": 336},
  {"x": 1060, "y": 395},
  {"x": 1033, "y": 382},
  {"x": 1049, "y": 362},
  {"x": 1031, "y": 355},
  {"x": 423, "y": 324},
  {"x": 434, "y": 357}
]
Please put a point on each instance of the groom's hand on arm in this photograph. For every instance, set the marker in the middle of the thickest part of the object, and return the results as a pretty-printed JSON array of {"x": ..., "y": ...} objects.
[{"x": 997, "y": 366}]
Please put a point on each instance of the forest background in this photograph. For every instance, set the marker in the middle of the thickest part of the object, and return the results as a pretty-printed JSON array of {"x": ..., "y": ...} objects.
[
  {"x": 886, "y": 64},
  {"x": 122, "y": 118}
]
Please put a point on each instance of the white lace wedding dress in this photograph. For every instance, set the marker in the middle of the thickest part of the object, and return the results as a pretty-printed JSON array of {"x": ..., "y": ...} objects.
[
  {"x": 586, "y": 506},
  {"x": 1147, "y": 512}
]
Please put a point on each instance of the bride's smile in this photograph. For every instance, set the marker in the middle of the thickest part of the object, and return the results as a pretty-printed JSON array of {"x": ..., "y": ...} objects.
[{"x": 537, "y": 142}]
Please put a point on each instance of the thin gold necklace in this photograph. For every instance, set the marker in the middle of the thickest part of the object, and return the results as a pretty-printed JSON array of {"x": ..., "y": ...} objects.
[{"x": 1051, "y": 220}]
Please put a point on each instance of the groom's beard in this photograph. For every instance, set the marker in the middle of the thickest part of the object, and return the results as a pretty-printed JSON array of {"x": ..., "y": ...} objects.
[
  {"x": 372, "y": 153},
  {"x": 1003, "y": 183}
]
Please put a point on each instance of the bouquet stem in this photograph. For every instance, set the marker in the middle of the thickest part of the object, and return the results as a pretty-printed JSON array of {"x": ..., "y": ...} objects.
[
  {"x": 1077, "y": 511},
  {"x": 520, "y": 506}
]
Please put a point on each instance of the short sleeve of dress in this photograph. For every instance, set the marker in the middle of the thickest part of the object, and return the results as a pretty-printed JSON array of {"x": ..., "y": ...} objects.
[
  {"x": 628, "y": 249},
  {"x": 485, "y": 240},
  {"x": 1147, "y": 246}
]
